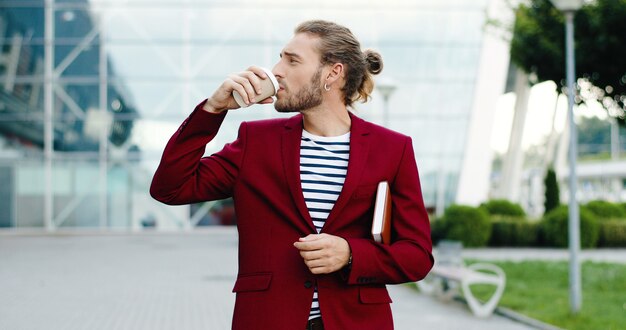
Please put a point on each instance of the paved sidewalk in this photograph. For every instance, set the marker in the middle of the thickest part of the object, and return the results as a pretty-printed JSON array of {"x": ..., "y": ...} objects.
[{"x": 156, "y": 281}]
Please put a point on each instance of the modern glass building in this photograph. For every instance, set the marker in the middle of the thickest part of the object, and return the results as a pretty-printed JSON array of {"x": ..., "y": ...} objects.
[{"x": 91, "y": 91}]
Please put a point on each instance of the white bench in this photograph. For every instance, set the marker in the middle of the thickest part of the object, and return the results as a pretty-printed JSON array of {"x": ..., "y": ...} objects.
[{"x": 446, "y": 276}]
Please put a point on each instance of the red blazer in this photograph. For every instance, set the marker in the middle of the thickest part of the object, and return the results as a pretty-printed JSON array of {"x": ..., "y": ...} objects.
[{"x": 260, "y": 170}]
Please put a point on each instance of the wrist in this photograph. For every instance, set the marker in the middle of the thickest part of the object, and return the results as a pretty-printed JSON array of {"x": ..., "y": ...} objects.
[{"x": 208, "y": 107}]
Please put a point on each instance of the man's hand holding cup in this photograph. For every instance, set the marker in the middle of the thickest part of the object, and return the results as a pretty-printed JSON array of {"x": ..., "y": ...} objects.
[{"x": 255, "y": 85}]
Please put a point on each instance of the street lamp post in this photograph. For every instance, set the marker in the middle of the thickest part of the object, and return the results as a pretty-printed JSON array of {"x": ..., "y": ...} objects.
[
  {"x": 48, "y": 128},
  {"x": 386, "y": 87},
  {"x": 569, "y": 7}
]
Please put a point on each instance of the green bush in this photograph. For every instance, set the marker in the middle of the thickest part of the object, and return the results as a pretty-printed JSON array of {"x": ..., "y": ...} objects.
[
  {"x": 503, "y": 207},
  {"x": 502, "y": 232},
  {"x": 554, "y": 228},
  {"x": 527, "y": 234},
  {"x": 437, "y": 229},
  {"x": 551, "y": 191},
  {"x": 513, "y": 232},
  {"x": 467, "y": 224},
  {"x": 606, "y": 210},
  {"x": 612, "y": 233}
]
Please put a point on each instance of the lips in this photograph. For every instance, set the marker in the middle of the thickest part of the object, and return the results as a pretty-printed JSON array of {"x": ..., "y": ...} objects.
[{"x": 280, "y": 85}]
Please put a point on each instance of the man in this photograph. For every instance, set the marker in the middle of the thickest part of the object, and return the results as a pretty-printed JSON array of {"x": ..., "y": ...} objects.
[{"x": 304, "y": 189}]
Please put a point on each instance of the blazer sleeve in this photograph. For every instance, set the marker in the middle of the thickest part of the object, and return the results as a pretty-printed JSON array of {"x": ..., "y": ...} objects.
[
  {"x": 409, "y": 258},
  {"x": 184, "y": 176}
]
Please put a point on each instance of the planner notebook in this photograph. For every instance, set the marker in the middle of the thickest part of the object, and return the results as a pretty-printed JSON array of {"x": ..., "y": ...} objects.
[{"x": 381, "y": 224}]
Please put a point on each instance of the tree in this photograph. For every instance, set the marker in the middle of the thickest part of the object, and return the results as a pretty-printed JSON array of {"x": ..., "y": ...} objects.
[
  {"x": 594, "y": 136},
  {"x": 538, "y": 47},
  {"x": 552, "y": 191}
]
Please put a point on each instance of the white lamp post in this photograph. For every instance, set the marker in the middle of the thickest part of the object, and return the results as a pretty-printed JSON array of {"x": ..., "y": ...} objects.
[
  {"x": 386, "y": 87},
  {"x": 569, "y": 7}
]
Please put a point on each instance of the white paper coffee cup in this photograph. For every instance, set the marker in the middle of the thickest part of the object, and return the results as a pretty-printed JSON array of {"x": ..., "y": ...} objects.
[{"x": 269, "y": 89}]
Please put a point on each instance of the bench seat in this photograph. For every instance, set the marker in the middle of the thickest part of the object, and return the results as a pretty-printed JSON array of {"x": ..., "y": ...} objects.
[{"x": 437, "y": 283}]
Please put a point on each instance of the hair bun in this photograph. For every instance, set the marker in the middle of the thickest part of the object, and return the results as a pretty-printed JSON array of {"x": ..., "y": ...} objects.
[{"x": 374, "y": 61}]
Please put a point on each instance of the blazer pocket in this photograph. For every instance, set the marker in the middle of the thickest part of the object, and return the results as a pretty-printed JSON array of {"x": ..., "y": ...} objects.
[
  {"x": 374, "y": 295},
  {"x": 253, "y": 282}
]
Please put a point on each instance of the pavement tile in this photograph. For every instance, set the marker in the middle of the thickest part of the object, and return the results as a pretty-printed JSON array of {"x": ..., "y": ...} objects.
[{"x": 157, "y": 281}]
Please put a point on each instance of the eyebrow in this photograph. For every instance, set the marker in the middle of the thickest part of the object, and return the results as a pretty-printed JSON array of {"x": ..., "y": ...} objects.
[{"x": 290, "y": 54}]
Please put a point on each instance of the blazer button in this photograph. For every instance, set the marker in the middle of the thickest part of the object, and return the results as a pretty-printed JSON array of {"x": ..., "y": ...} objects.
[{"x": 308, "y": 284}]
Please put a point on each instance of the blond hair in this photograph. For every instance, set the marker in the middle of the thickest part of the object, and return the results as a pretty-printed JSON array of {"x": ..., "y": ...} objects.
[{"x": 338, "y": 45}]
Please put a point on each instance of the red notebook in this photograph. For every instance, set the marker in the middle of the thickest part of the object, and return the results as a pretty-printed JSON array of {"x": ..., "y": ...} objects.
[{"x": 381, "y": 223}]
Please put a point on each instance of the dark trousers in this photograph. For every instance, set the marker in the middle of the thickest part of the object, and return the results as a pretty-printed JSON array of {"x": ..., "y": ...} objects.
[{"x": 315, "y": 324}]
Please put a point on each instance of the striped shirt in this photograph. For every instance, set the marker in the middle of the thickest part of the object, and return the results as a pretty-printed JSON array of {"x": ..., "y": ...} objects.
[{"x": 323, "y": 168}]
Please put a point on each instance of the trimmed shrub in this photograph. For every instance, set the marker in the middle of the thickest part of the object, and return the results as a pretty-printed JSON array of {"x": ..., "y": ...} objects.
[
  {"x": 526, "y": 234},
  {"x": 612, "y": 233},
  {"x": 502, "y": 232},
  {"x": 552, "y": 191},
  {"x": 606, "y": 210},
  {"x": 470, "y": 225},
  {"x": 437, "y": 229},
  {"x": 554, "y": 228},
  {"x": 503, "y": 207},
  {"x": 513, "y": 232}
]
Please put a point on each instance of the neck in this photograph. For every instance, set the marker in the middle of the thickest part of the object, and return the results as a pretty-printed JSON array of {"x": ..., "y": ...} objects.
[{"x": 327, "y": 120}]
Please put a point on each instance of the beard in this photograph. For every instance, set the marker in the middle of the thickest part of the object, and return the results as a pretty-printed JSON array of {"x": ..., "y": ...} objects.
[{"x": 308, "y": 97}]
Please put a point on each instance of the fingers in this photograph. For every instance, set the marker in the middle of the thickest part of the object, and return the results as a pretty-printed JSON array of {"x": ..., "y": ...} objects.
[
  {"x": 321, "y": 270},
  {"x": 323, "y": 253},
  {"x": 258, "y": 71},
  {"x": 312, "y": 242},
  {"x": 247, "y": 84},
  {"x": 313, "y": 255},
  {"x": 255, "y": 74},
  {"x": 319, "y": 262}
]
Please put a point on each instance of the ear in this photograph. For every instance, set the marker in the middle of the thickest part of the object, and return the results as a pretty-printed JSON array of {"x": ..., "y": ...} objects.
[{"x": 335, "y": 74}]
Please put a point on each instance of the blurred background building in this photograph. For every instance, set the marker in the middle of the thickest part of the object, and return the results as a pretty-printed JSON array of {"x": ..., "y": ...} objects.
[
  {"x": 85, "y": 126},
  {"x": 90, "y": 92}
]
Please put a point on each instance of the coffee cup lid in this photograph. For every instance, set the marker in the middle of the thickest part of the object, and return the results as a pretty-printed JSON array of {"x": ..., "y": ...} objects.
[{"x": 272, "y": 78}]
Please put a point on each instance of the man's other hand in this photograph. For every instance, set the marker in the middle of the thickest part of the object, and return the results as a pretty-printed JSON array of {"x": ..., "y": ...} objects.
[{"x": 323, "y": 253}]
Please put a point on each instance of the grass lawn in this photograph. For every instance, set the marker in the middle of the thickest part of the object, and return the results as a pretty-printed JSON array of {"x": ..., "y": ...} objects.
[{"x": 539, "y": 289}]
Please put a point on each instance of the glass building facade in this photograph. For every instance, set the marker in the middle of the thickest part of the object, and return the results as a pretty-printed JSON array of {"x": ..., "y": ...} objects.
[{"x": 92, "y": 90}]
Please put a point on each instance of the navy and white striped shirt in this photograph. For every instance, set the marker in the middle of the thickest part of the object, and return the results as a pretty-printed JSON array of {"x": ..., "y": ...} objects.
[{"x": 323, "y": 168}]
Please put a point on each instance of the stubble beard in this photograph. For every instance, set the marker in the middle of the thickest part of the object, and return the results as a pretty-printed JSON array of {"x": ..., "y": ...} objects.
[{"x": 310, "y": 96}]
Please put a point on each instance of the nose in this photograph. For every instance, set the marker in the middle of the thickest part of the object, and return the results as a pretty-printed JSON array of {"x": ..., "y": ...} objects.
[{"x": 277, "y": 70}]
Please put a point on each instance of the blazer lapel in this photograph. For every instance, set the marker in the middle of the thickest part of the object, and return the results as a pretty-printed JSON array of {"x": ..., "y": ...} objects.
[
  {"x": 292, "y": 135},
  {"x": 359, "y": 148}
]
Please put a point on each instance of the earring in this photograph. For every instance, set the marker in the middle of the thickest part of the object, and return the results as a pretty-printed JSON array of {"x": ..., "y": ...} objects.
[{"x": 326, "y": 88}]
